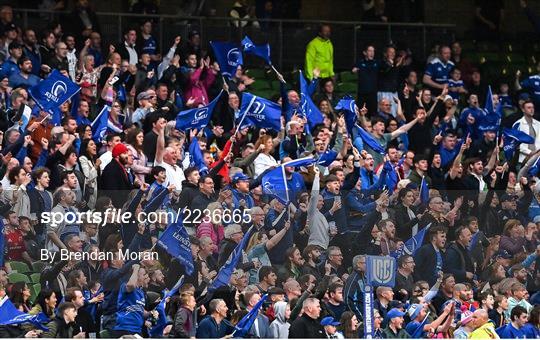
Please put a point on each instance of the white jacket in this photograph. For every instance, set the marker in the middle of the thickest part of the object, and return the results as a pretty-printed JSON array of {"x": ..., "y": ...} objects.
[{"x": 523, "y": 125}]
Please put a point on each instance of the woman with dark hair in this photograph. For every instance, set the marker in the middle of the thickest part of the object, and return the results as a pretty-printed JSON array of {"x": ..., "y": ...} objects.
[
  {"x": 85, "y": 131},
  {"x": 20, "y": 296},
  {"x": 134, "y": 142},
  {"x": 45, "y": 303},
  {"x": 89, "y": 166},
  {"x": 406, "y": 215},
  {"x": 349, "y": 325},
  {"x": 514, "y": 239}
]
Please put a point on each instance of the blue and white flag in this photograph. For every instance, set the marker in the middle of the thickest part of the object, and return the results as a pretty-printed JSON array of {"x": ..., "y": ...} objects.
[
  {"x": 369, "y": 140},
  {"x": 381, "y": 271},
  {"x": 175, "y": 240},
  {"x": 243, "y": 326},
  {"x": 512, "y": 138},
  {"x": 23, "y": 116},
  {"x": 347, "y": 104},
  {"x": 157, "y": 330},
  {"x": 259, "y": 112},
  {"x": 224, "y": 275},
  {"x": 327, "y": 157},
  {"x": 99, "y": 125},
  {"x": 424, "y": 191},
  {"x": 10, "y": 315},
  {"x": 261, "y": 51},
  {"x": 274, "y": 182},
  {"x": 228, "y": 55},
  {"x": 308, "y": 107},
  {"x": 534, "y": 169},
  {"x": 392, "y": 177},
  {"x": 196, "y": 156},
  {"x": 196, "y": 118},
  {"x": 419, "y": 331},
  {"x": 491, "y": 121},
  {"x": 53, "y": 91},
  {"x": 412, "y": 245}
]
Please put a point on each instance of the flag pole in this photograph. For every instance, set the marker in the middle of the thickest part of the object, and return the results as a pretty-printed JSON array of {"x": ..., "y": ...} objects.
[
  {"x": 244, "y": 115},
  {"x": 280, "y": 76}
]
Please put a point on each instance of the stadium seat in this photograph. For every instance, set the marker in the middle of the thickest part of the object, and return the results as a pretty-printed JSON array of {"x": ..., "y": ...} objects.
[
  {"x": 348, "y": 77},
  {"x": 276, "y": 85},
  {"x": 34, "y": 291},
  {"x": 349, "y": 88},
  {"x": 38, "y": 266},
  {"x": 20, "y": 267},
  {"x": 104, "y": 334},
  {"x": 260, "y": 85},
  {"x": 18, "y": 277},
  {"x": 257, "y": 73},
  {"x": 34, "y": 277}
]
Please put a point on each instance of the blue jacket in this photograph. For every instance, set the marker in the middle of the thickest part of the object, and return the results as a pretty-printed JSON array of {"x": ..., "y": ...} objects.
[
  {"x": 353, "y": 293},
  {"x": 9, "y": 67},
  {"x": 237, "y": 196},
  {"x": 296, "y": 185},
  {"x": 209, "y": 329},
  {"x": 510, "y": 332}
]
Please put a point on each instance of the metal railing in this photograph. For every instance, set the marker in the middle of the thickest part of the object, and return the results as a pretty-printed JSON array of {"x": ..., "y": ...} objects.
[{"x": 288, "y": 38}]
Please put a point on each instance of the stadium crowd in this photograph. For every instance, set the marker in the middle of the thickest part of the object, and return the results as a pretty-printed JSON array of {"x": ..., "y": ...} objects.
[{"x": 474, "y": 273}]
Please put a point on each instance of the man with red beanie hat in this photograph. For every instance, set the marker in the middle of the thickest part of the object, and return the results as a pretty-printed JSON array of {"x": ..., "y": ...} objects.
[{"x": 115, "y": 178}]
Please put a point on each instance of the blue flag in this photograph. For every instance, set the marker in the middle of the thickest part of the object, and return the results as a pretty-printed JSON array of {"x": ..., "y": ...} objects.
[
  {"x": 262, "y": 51},
  {"x": 412, "y": 245},
  {"x": 10, "y": 315},
  {"x": 368, "y": 139},
  {"x": 99, "y": 125},
  {"x": 157, "y": 330},
  {"x": 243, "y": 326},
  {"x": 196, "y": 118},
  {"x": 259, "y": 112},
  {"x": 224, "y": 275},
  {"x": 491, "y": 121},
  {"x": 228, "y": 56},
  {"x": 327, "y": 157},
  {"x": 308, "y": 107},
  {"x": 274, "y": 182},
  {"x": 53, "y": 91},
  {"x": 534, "y": 169},
  {"x": 196, "y": 156},
  {"x": 512, "y": 137},
  {"x": 424, "y": 191},
  {"x": 392, "y": 177},
  {"x": 419, "y": 331},
  {"x": 175, "y": 240},
  {"x": 474, "y": 240},
  {"x": 347, "y": 104},
  {"x": 22, "y": 117}
]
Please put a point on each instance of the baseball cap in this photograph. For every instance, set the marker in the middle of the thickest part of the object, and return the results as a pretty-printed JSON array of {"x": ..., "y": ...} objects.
[
  {"x": 240, "y": 177},
  {"x": 414, "y": 310},
  {"x": 504, "y": 254},
  {"x": 394, "y": 313},
  {"x": 329, "y": 321}
]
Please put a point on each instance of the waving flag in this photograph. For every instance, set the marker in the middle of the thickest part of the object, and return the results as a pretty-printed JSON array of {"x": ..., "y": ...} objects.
[
  {"x": 534, "y": 169},
  {"x": 347, "y": 104},
  {"x": 24, "y": 113},
  {"x": 424, "y": 191},
  {"x": 274, "y": 182},
  {"x": 196, "y": 118},
  {"x": 99, "y": 125},
  {"x": 243, "y": 326},
  {"x": 327, "y": 157},
  {"x": 392, "y": 177},
  {"x": 419, "y": 330},
  {"x": 309, "y": 109},
  {"x": 224, "y": 275},
  {"x": 53, "y": 91},
  {"x": 368, "y": 139},
  {"x": 492, "y": 120},
  {"x": 10, "y": 315},
  {"x": 228, "y": 56},
  {"x": 175, "y": 240},
  {"x": 512, "y": 137},
  {"x": 262, "y": 51},
  {"x": 196, "y": 155},
  {"x": 412, "y": 245},
  {"x": 157, "y": 330},
  {"x": 259, "y": 112}
]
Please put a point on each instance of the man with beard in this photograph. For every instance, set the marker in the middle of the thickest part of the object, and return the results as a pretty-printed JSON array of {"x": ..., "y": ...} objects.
[
  {"x": 460, "y": 297},
  {"x": 311, "y": 255},
  {"x": 429, "y": 257},
  {"x": 115, "y": 180},
  {"x": 388, "y": 244},
  {"x": 24, "y": 78}
]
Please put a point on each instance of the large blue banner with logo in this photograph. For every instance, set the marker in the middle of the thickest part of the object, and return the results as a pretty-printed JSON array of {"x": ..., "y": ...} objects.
[
  {"x": 53, "y": 91},
  {"x": 381, "y": 271}
]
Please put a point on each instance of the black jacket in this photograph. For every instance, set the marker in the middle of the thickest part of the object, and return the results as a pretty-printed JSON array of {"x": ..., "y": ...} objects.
[
  {"x": 188, "y": 193},
  {"x": 306, "y": 327},
  {"x": 404, "y": 223},
  {"x": 426, "y": 263},
  {"x": 458, "y": 261},
  {"x": 115, "y": 183}
]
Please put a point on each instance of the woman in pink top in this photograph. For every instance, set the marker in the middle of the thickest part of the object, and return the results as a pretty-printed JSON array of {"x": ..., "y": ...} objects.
[
  {"x": 199, "y": 81},
  {"x": 134, "y": 141},
  {"x": 211, "y": 225}
]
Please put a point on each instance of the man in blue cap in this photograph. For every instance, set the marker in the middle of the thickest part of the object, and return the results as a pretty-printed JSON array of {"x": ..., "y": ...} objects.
[
  {"x": 330, "y": 329},
  {"x": 242, "y": 198},
  {"x": 394, "y": 329}
]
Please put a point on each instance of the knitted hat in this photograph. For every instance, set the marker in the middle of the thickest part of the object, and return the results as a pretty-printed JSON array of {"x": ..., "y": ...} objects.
[{"x": 119, "y": 149}]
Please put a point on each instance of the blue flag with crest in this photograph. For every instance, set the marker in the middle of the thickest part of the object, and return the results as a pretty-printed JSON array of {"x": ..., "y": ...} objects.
[
  {"x": 242, "y": 327},
  {"x": 53, "y": 91},
  {"x": 327, "y": 157},
  {"x": 347, "y": 104},
  {"x": 392, "y": 177},
  {"x": 512, "y": 138},
  {"x": 308, "y": 107},
  {"x": 491, "y": 121},
  {"x": 261, "y": 51},
  {"x": 412, "y": 245},
  {"x": 157, "y": 330},
  {"x": 274, "y": 182},
  {"x": 196, "y": 155},
  {"x": 369, "y": 140},
  {"x": 259, "y": 112},
  {"x": 175, "y": 240},
  {"x": 99, "y": 125},
  {"x": 224, "y": 275},
  {"x": 196, "y": 118},
  {"x": 228, "y": 55}
]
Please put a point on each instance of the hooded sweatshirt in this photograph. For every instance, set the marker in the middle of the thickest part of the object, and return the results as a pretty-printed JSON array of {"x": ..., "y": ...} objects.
[{"x": 279, "y": 328}]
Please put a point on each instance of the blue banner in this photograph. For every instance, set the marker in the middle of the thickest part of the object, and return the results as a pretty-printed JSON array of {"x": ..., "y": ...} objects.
[
  {"x": 224, "y": 275},
  {"x": 228, "y": 56},
  {"x": 196, "y": 156},
  {"x": 368, "y": 312},
  {"x": 424, "y": 191},
  {"x": 369, "y": 140},
  {"x": 53, "y": 91},
  {"x": 491, "y": 121},
  {"x": 242, "y": 327},
  {"x": 309, "y": 109},
  {"x": 512, "y": 137},
  {"x": 392, "y": 177},
  {"x": 261, "y": 51},
  {"x": 381, "y": 271},
  {"x": 157, "y": 330},
  {"x": 196, "y": 118},
  {"x": 10, "y": 315},
  {"x": 175, "y": 240},
  {"x": 412, "y": 245},
  {"x": 259, "y": 112},
  {"x": 274, "y": 182},
  {"x": 99, "y": 125},
  {"x": 327, "y": 157},
  {"x": 347, "y": 104}
]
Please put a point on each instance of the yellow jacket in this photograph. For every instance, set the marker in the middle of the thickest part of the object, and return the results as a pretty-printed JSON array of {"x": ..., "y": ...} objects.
[
  {"x": 319, "y": 54},
  {"x": 486, "y": 331}
]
